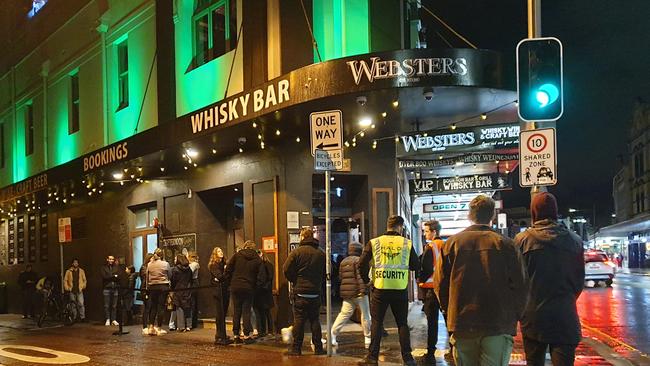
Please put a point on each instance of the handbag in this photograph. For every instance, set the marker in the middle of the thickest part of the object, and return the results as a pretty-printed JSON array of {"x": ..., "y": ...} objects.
[{"x": 170, "y": 301}]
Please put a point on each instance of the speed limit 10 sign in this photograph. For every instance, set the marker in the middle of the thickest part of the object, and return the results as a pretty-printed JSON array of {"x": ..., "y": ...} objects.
[{"x": 537, "y": 158}]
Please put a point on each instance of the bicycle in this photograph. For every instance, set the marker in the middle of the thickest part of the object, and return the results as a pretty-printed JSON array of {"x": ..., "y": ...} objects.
[{"x": 58, "y": 306}]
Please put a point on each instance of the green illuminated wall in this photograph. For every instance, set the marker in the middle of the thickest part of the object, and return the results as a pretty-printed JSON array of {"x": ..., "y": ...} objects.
[
  {"x": 206, "y": 84},
  {"x": 341, "y": 28}
]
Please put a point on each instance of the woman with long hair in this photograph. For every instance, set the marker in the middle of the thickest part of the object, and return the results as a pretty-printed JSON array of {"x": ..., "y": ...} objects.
[
  {"x": 217, "y": 268},
  {"x": 158, "y": 274}
]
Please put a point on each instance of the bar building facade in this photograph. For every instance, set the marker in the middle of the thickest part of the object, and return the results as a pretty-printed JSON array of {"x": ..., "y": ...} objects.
[{"x": 196, "y": 112}]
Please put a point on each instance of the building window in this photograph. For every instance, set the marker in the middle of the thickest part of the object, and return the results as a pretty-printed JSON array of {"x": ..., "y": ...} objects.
[
  {"x": 144, "y": 217},
  {"x": 639, "y": 165},
  {"x": 73, "y": 121},
  {"x": 2, "y": 145},
  {"x": 29, "y": 130},
  {"x": 214, "y": 27},
  {"x": 123, "y": 74}
]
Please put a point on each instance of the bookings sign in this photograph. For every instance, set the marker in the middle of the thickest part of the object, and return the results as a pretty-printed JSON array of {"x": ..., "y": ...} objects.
[
  {"x": 467, "y": 159},
  {"x": 489, "y": 182},
  {"x": 492, "y": 137}
]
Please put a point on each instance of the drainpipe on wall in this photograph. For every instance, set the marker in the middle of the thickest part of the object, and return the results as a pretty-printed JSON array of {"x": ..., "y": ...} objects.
[
  {"x": 102, "y": 28},
  {"x": 45, "y": 72}
]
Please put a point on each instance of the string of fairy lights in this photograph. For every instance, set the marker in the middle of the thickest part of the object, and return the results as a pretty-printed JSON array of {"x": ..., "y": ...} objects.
[{"x": 94, "y": 183}]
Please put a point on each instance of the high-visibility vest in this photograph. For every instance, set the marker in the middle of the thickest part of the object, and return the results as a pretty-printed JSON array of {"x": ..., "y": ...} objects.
[
  {"x": 435, "y": 245},
  {"x": 391, "y": 254}
]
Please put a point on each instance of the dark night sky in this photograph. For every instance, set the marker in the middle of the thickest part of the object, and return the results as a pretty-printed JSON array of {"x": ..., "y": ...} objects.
[{"x": 606, "y": 68}]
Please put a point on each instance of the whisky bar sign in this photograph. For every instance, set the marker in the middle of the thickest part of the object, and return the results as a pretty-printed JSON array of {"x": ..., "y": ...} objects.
[
  {"x": 472, "y": 183},
  {"x": 24, "y": 187}
]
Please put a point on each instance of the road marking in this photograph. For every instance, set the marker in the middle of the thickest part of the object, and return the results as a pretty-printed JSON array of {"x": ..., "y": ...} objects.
[
  {"x": 616, "y": 340},
  {"x": 60, "y": 357}
]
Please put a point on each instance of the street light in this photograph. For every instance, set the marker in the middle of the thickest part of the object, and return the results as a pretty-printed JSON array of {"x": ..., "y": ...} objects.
[{"x": 572, "y": 210}]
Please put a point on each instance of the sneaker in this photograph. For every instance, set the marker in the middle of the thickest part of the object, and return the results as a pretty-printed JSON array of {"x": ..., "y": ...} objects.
[
  {"x": 334, "y": 342},
  {"x": 223, "y": 342},
  {"x": 159, "y": 331},
  {"x": 145, "y": 331},
  {"x": 366, "y": 341},
  {"x": 293, "y": 352},
  {"x": 238, "y": 340},
  {"x": 115, "y": 323},
  {"x": 287, "y": 335},
  {"x": 188, "y": 329},
  {"x": 151, "y": 331},
  {"x": 24, "y": 316},
  {"x": 108, "y": 323}
]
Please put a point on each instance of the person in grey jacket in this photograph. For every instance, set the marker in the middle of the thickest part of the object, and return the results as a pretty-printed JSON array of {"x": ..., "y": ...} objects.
[
  {"x": 158, "y": 274},
  {"x": 554, "y": 259},
  {"x": 353, "y": 292}
]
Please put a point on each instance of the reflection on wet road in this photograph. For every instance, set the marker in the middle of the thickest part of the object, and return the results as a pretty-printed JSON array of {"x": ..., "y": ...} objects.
[{"x": 619, "y": 316}]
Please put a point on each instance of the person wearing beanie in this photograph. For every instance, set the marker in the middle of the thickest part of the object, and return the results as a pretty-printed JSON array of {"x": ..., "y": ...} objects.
[
  {"x": 353, "y": 292},
  {"x": 554, "y": 257}
]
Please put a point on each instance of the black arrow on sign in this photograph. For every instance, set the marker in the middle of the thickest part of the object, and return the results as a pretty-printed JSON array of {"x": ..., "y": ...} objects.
[{"x": 321, "y": 146}]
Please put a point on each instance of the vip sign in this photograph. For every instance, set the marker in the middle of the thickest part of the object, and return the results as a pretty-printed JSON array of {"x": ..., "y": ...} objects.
[{"x": 537, "y": 158}]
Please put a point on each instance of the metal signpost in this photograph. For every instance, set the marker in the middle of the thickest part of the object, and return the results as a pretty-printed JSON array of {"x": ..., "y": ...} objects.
[
  {"x": 327, "y": 149},
  {"x": 537, "y": 158}
]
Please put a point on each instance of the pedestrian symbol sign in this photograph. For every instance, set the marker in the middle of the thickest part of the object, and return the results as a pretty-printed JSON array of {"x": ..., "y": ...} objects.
[
  {"x": 326, "y": 131},
  {"x": 537, "y": 158}
]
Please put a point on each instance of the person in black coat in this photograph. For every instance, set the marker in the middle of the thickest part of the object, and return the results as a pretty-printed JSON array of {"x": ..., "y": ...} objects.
[
  {"x": 181, "y": 280},
  {"x": 305, "y": 269},
  {"x": 217, "y": 268},
  {"x": 143, "y": 291},
  {"x": 27, "y": 282},
  {"x": 242, "y": 271},
  {"x": 128, "y": 293},
  {"x": 263, "y": 300},
  {"x": 554, "y": 259}
]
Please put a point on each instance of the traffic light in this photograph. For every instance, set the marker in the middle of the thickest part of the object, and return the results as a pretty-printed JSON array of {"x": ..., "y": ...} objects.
[{"x": 539, "y": 79}]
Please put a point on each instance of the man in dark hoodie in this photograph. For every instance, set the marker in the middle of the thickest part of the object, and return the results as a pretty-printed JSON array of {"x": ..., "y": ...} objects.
[
  {"x": 243, "y": 270},
  {"x": 555, "y": 262},
  {"x": 481, "y": 284},
  {"x": 305, "y": 269}
]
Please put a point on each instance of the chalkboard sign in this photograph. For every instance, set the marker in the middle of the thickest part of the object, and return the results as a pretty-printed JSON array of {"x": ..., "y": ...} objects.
[{"x": 178, "y": 244}]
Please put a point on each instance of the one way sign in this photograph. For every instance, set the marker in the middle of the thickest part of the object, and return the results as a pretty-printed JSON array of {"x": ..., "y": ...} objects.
[{"x": 326, "y": 131}]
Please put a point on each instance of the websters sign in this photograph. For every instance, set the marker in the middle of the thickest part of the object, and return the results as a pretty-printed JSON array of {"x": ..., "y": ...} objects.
[
  {"x": 410, "y": 69},
  {"x": 477, "y": 138}
]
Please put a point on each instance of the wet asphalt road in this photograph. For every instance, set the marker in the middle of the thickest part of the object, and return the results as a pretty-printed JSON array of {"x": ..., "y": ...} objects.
[
  {"x": 616, "y": 326},
  {"x": 620, "y": 315}
]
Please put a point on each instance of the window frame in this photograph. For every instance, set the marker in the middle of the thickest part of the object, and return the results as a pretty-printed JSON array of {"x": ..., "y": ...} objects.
[
  {"x": 207, "y": 8},
  {"x": 29, "y": 130},
  {"x": 122, "y": 74},
  {"x": 74, "y": 117}
]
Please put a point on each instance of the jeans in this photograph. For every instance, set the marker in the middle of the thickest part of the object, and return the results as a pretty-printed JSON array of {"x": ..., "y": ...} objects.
[
  {"x": 399, "y": 303},
  {"x": 157, "y": 299},
  {"x": 561, "y": 354},
  {"x": 431, "y": 309},
  {"x": 482, "y": 351},
  {"x": 347, "y": 309},
  {"x": 78, "y": 299},
  {"x": 242, "y": 302},
  {"x": 29, "y": 297},
  {"x": 305, "y": 308},
  {"x": 110, "y": 303}
]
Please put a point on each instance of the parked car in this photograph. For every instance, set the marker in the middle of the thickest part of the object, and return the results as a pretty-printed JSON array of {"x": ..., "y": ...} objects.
[{"x": 599, "y": 268}]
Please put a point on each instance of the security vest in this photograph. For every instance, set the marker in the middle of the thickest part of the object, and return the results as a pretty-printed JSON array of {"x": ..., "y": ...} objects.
[
  {"x": 391, "y": 262},
  {"x": 435, "y": 246}
]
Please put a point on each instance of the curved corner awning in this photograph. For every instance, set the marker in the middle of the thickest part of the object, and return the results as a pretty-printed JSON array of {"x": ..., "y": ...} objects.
[
  {"x": 637, "y": 224},
  {"x": 464, "y": 82}
]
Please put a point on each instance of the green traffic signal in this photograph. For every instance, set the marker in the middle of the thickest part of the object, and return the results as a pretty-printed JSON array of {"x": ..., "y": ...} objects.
[{"x": 539, "y": 79}]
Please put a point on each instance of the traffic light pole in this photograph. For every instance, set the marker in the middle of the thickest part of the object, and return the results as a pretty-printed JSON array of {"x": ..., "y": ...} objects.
[{"x": 534, "y": 31}]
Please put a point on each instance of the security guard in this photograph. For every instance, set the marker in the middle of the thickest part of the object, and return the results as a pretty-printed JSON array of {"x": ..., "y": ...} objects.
[
  {"x": 431, "y": 305},
  {"x": 391, "y": 256}
]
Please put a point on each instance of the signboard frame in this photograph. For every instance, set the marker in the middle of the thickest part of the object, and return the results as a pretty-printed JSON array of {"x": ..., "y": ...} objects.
[{"x": 526, "y": 153}]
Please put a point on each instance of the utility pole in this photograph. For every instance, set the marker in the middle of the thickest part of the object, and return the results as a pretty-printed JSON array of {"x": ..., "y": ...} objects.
[{"x": 534, "y": 31}]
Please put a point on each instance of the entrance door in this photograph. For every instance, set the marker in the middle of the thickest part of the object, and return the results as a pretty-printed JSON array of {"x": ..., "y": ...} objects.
[{"x": 142, "y": 242}]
